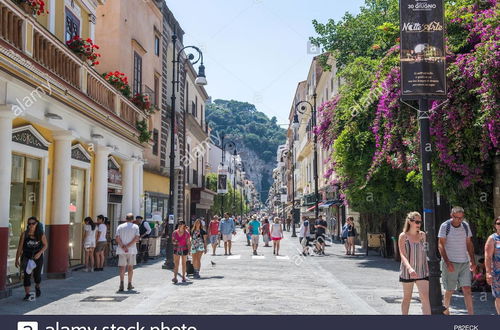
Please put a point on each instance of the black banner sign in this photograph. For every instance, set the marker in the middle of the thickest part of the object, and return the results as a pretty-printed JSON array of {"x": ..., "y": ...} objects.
[{"x": 423, "y": 70}]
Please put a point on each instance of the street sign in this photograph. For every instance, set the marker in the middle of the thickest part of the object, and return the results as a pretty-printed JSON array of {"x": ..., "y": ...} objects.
[
  {"x": 422, "y": 55},
  {"x": 222, "y": 180}
]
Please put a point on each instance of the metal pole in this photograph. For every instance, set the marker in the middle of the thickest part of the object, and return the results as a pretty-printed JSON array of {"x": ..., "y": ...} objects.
[
  {"x": 315, "y": 165},
  {"x": 436, "y": 298},
  {"x": 169, "y": 259},
  {"x": 294, "y": 234}
]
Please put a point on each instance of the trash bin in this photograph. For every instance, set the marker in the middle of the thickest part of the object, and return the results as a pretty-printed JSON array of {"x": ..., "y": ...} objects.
[{"x": 395, "y": 246}]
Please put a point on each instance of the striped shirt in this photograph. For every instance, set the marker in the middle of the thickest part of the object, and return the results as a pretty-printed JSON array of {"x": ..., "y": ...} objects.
[
  {"x": 456, "y": 242},
  {"x": 417, "y": 257}
]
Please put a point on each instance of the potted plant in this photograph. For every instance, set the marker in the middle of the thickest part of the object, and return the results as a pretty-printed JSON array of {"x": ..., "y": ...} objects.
[
  {"x": 142, "y": 102},
  {"x": 85, "y": 49},
  {"x": 118, "y": 80},
  {"x": 33, "y": 7},
  {"x": 144, "y": 133}
]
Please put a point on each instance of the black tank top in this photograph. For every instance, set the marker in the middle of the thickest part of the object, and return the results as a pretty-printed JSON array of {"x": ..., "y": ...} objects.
[{"x": 31, "y": 246}]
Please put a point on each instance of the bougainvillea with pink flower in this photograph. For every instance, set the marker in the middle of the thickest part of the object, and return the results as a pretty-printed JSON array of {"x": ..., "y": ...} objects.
[{"x": 465, "y": 130}]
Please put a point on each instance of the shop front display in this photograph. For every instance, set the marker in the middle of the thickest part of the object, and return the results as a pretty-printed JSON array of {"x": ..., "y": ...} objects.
[{"x": 24, "y": 203}]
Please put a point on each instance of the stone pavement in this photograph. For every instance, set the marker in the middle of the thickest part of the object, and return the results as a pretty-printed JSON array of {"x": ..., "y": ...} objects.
[{"x": 238, "y": 284}]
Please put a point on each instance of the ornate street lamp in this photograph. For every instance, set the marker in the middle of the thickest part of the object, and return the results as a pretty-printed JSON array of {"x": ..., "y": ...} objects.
[
  {"x": 202, "y": 81},
  {"x": 296, "y": 125}
]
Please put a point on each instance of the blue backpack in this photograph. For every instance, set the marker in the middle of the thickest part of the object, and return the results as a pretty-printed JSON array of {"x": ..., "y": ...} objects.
[{"x": 448, "y": 228}]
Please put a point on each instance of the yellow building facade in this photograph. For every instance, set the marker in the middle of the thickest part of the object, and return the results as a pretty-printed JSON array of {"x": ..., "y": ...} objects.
[{"x": 70, "y": 145}]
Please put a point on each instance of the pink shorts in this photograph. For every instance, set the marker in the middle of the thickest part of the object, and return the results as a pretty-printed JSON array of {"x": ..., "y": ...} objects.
[{"x": 276, "y": 238}]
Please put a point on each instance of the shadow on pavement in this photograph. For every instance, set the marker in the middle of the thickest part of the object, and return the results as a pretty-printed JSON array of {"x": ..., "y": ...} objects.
[{"x": 56, "y": 289}]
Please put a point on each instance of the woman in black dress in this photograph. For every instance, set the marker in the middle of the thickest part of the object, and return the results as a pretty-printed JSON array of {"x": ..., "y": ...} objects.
[{"x": 32, "y": 244}]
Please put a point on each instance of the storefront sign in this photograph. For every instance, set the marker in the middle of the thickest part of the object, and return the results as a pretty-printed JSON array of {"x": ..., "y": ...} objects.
[
  {"x": 423, "y": 71},
  {"x": 222, "y": 180}
]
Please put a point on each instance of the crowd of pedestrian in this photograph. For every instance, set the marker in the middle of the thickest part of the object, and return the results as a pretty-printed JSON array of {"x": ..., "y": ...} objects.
[{"x": 458, "y": 259}]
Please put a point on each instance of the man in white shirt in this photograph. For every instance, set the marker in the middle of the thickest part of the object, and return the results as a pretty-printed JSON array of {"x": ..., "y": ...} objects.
[
  {"x": 127, "y": 235},
  {"x": 458, "y": 259}
]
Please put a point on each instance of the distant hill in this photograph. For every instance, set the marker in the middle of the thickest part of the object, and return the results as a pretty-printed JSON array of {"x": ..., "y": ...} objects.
[{"x": 257, "y": 136}]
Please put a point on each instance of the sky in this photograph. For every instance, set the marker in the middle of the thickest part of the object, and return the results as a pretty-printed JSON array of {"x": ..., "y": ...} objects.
[{"x": 256, "y": 51}]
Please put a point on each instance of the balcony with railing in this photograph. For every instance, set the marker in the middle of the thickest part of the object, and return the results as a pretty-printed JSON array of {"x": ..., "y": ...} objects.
[{"x": 39, "y": 50}]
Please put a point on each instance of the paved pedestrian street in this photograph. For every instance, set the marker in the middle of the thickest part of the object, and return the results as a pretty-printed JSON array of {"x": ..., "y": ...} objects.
[{"x": 239, "y": 284}]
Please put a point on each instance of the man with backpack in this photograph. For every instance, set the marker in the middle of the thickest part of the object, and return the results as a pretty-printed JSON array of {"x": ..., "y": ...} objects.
[
  {"x": 457, "y": 254},
  {"x": 144, "y": 232}
]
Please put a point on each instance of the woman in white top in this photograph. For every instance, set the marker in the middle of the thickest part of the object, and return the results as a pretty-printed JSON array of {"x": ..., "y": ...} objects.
[
  {"x": 89, "y": 242},
  {"x": 101, "y": 243},
  {"x": 276, "y": 235}
]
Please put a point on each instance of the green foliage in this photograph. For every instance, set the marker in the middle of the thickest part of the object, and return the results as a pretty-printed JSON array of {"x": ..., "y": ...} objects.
[
  {"x": 354, "y": 36},
  {"x": 144, "y": 133},
  {"x": 366, "y": 49}
]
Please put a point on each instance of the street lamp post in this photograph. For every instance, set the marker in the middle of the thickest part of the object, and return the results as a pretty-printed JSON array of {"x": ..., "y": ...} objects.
[
  {"x": 436, "y": 298},
  {"x": 315, "y": 145},
  {"x": 291, "y": 155},
  {"x": 200, "y": 80}
]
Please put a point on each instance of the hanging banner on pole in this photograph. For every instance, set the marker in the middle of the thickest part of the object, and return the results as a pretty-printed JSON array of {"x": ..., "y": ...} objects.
[
  {"x": 422, "y": 57},
  {"x": 222, "y": 180}
]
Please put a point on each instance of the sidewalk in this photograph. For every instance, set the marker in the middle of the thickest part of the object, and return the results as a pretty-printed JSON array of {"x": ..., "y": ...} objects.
[
  {"x": 376, "y": 281},
  {"x": 239, "y": 284}
]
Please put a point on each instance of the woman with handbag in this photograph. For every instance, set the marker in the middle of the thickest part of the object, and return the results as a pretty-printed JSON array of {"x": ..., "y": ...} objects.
[
  {"x": 32, "y": 244},
  {"x": 198, "y": 246},
  {"x": 182, "y": 245}
]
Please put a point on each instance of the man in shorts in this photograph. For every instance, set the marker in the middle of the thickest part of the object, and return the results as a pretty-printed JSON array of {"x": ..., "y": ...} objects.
[
  {"x": 254, "y": 228},
  {"x": 213, "y": 232},
  {"x": 227, "y": 228},
  {"x": 127, "y": 235},
  {"x": 457, "y": 254}
]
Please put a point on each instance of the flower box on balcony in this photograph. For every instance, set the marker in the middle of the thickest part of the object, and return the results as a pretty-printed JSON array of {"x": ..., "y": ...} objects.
[
  {"x": 85, "y": 49},
  {"x": 119, "y": 81},
  {"x": 32, "y": 7},
  {"x": 142, "y": 102}
]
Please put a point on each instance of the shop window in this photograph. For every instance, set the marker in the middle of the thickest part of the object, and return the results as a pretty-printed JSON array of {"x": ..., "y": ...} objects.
[
  {"x": 77, "y": 214},
  {"x": 24, "y": 203}
]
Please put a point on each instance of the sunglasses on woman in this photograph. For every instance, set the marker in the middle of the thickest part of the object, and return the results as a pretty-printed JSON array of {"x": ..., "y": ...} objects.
[
  {"x": 31, "y": 223},
  {"x": 497, "y": 223},
  {"x": 418, "y": 222}
]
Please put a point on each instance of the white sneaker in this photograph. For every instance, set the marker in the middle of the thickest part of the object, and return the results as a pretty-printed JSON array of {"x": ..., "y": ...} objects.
[
  {"x": 86, "y": 270},
  {"x": 91, "y": 270}
]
